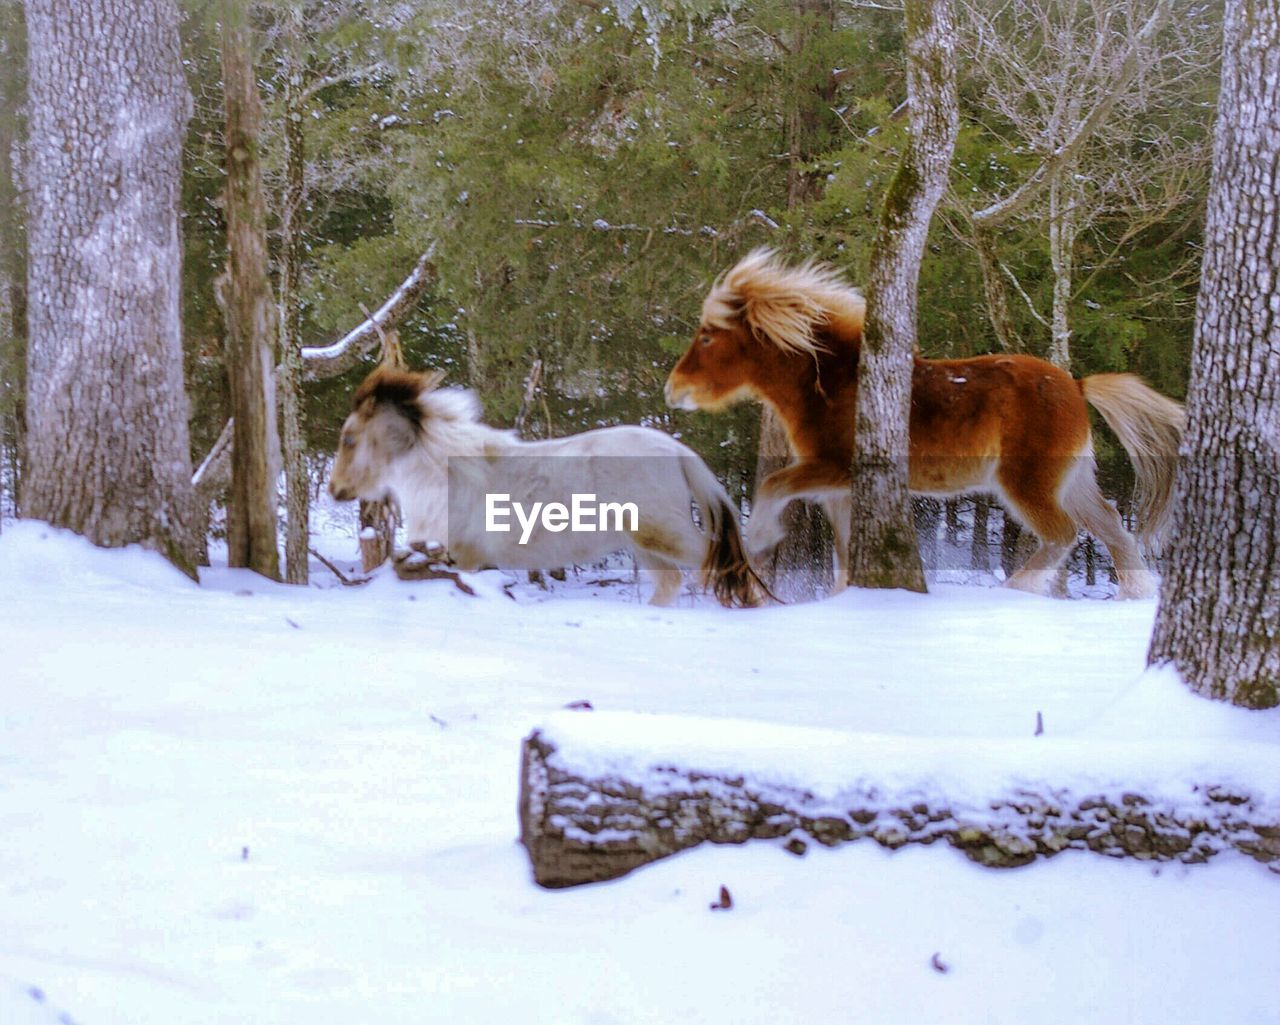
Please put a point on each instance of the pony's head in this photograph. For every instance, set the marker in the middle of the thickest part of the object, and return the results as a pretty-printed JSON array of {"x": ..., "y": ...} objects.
[
  {"x": 760, "y": 320},
  {"x": 392, "y": 413}
]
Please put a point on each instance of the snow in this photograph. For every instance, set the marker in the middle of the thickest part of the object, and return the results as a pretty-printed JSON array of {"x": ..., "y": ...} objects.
[
  {"x": 245, "y": 802},
  {"x": 953, "y": 773}
]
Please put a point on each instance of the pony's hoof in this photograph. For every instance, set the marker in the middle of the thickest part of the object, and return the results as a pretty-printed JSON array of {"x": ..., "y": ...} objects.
[
  {"x": 1145, "y": 586},
  {"x": 1031, "y": 583}
]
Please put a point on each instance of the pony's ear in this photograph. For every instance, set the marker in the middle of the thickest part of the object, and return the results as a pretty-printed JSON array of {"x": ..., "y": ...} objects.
[{"x": 430, "y": 380}]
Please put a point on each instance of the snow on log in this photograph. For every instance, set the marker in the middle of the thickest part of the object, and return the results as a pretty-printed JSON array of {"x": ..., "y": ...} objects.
[{"x": 602, "y": 793}]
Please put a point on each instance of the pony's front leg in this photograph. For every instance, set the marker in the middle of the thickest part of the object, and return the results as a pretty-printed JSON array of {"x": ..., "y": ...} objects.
[
  {"x": 823, "y": 481},
  {"x": 839, "y": 510},
  {"x": 764, "y": 529}
]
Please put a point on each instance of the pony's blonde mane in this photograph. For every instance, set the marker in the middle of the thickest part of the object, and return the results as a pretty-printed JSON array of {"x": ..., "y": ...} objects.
[{"x": 785, "y": 305}]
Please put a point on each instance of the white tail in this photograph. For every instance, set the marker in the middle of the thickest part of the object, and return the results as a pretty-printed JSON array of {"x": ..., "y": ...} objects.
[{"x": 1149, "y": 426}]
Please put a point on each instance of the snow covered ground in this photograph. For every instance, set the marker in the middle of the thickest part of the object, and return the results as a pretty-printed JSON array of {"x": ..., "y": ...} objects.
[{"x": 247, "y": 803}]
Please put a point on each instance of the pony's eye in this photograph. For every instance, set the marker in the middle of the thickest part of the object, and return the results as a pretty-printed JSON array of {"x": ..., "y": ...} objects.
[
  {"x": 705, "y": 338},
  {"x": 348, "y": 441}
]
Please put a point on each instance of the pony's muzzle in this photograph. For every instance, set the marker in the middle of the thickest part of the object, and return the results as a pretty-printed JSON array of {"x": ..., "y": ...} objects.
[
  {"x": 341, "y": 494},
  {"x": 678, "y": 398}
]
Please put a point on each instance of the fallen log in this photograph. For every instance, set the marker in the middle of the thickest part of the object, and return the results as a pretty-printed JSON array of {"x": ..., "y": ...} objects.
[{"x": 602, "y": 794}]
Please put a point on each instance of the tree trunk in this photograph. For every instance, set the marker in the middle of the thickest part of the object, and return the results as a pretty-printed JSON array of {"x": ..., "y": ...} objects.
[
  {"x": 108, "y": 452},
  {"x": 979, "y": 550},
  {"x": 994, "y": 290},
  {"x": 800, "y": 567},
  {"x": 250, "y": 312},
  {"x": 1016, "y": 544},
  {"x": 378, "y": 522},
  {"x": 927, "y": 514},
  {"x": 296, "y": 480},
  {"x": 882, "y": 549},
  {"x": 1062, "y": 241},
  {"x": 1218, "y": 622},
  {"x": 582, "y": 821},
  {"x": 13, "y": 253},
  {"x": 951, "y": 510}
]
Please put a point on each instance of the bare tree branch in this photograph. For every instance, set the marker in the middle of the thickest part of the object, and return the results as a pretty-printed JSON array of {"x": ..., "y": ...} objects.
[
  {"x": 327, "y": 361},
  {"x": 331, "y": 360},
  {"x": 1002, "y": 210}
]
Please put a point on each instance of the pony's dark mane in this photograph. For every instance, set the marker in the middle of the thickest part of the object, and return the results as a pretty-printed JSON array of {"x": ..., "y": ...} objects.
[{"x": 400, "y": 388}]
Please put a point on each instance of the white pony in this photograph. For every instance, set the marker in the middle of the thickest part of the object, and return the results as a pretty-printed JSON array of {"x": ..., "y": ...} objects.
[{"x": 458, "y": 479}]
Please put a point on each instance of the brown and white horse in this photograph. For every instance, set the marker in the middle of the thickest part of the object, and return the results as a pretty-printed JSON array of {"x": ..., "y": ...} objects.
[
  {"x": 425, "y": 444},
  {"x": 1010, "y": 425}
]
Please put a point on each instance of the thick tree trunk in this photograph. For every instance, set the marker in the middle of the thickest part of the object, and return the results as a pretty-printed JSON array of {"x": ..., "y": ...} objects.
[
  {"x": 250, "y": 312},
  {"x": 1218, "y": 622},
  {"x": 882, "y": 549},
  {"x": 108, "y": 453},
  {"x": 13, "y": 254},
  {"x": 595, "y": 803},
  {"x": 296, "y": 479}
]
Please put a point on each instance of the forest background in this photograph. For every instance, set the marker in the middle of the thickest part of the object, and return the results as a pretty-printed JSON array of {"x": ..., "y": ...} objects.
[{"x": 582, "y": 170}]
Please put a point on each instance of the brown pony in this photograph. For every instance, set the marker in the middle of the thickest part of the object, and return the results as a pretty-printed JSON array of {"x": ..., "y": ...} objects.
[{"x": 1014, "y": 426}]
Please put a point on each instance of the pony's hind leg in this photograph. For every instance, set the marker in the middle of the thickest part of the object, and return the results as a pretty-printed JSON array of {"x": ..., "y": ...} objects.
[
  {"x": 1031, "y": 492},
  {"x": 1099, "y": 517},
  {"x": 667, "y": 577}
]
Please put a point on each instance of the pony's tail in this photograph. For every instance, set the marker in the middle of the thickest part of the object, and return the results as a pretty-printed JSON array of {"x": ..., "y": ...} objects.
[
  {"x": 725, "y": 569},
  {"x": 1149, "y": 426}
]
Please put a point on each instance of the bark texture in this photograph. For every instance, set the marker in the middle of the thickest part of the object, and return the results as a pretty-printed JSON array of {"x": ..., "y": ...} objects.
[
  {"x": 1219, "y": 617},
  {"x": 296, "y": 480},
  {"x": 250, "y": 312},
  {"x": 1062, "y": 241},
  {"x": 979, "y": 552},
  {"x": 581, "y": 828},
  {"x": 13, "y": 254},
  {"x": 994, "y": 290},
  {"x": 107, "y": 439},
  {"x": 882, "y": 548}
]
